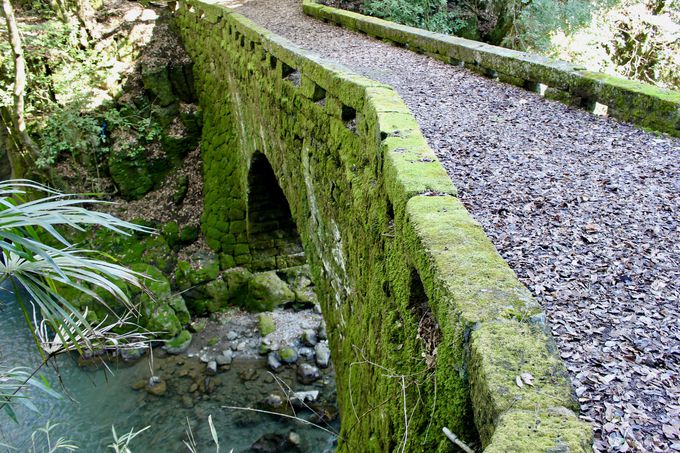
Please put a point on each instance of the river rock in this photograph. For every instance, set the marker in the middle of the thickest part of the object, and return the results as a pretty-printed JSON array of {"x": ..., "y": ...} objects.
[
  {"x": 187, "y": 402},
  {"x": 249, "y": 374},
  {"x": 132, "y": 355},
  {"x": 309, "y": 337},
  {"x": 211, "y": 369},
  {"x": 271, "y": 402},
  {"x": 156, "y": 386},
  {"x": 266, "y": 291},
  {"x": 232, "y": 335},
  {"x": 225, "y": 358},
  {"x": 307, "y": 374},
  {"x": 274, "y": 362},
  {"x": 294, "y": 438},
  {"x": 323, "y": 354},
  {"x": 179, "y": 344},
  {"x": 301, "y": 398},
  {"x": 272, "y": 443},
  {"x": 288, "y": 355},
  {"x": 306, "y": 352}
]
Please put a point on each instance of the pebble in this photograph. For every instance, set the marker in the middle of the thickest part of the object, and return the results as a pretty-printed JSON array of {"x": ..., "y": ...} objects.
[
  {"x": 231, "y": 335},
  {"x": 211, "y": 369}
]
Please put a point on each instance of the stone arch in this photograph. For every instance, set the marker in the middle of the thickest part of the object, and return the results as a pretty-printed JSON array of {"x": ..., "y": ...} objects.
[{"x": 272, "y": 234}]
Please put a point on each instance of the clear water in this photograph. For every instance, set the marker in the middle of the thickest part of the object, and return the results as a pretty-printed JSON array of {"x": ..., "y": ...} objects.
[{"x": 96, "y": 399}]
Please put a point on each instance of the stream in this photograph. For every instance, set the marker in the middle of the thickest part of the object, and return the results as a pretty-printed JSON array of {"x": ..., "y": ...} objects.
[{"x": 95, "y": 399}]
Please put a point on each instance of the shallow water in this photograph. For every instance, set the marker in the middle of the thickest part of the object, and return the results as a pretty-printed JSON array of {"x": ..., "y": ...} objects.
[{"x": 96, "y": 399}]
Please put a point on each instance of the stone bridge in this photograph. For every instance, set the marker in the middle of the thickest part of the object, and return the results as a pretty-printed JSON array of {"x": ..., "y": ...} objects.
[{"x": 428, "y": 326}]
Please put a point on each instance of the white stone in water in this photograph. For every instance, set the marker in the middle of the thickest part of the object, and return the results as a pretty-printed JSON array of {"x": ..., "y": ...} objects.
[
  {"x": 305, "y": 397},
  {"x": 154, "y": 380},
  {"x": 212, "y": 368},
  {"x": 294, "y": 438}
]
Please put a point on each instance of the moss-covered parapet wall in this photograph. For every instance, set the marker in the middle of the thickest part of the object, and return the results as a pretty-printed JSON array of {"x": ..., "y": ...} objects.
[
  {"x": 626, "y": 100},
  {"x": 428, "y": 326}
]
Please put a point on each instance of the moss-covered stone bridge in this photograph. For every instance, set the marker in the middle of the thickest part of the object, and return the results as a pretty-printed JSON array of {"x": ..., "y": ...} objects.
[{"x": 428, "y": 326}]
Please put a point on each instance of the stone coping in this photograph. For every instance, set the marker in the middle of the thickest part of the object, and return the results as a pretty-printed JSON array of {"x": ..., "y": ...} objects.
[
  {"x": 635, "y": 102},
  {"x": 515, "y": 381}
]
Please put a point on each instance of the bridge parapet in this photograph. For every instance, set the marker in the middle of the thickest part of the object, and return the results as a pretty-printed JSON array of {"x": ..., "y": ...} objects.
[
  {"x": 428, "y": 326},
  {"x": 635, "y": 102}
]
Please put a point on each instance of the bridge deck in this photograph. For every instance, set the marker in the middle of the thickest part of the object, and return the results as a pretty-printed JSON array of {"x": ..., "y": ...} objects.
[{"x": 583, "y": 208}]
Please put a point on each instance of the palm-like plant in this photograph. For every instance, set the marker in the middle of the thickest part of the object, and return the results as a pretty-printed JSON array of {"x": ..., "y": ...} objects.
[{"x": 30, "y": 265}]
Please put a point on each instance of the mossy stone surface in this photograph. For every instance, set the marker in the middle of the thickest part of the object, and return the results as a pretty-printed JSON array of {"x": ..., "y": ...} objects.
[
  {"x": 265, "y": 324},
  {"x": 384, "y": 235},
  {"x": 267, "y": 291}
]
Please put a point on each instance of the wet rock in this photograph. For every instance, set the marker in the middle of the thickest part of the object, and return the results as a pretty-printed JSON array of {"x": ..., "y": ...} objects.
[
  {"x": 309, "y": 337},
  {"x": 187, "y": 402},
  {"x": 307, "y": 374},
  {"x": 211, "y": 369},
  {"x": 139, "y": 384},
  {"x": 179, "y": 344},
  {"x": 272, "y": 443},
  {"x": 271, "y": 402},
  {"x": 274, "y": 362},
  {"x": 323, "y": 354},
  {"x": 294, "y": 438},
  {"x": 301, "y": 398},
  {"x": 132, "y": 355},
  {"x": 241, "y": 346},
  {"x": 288, "y": 355},
  {"x": 225, "y": 358},
  {"x": 156, "y": 386},
  {"x": 249, "y": 374}
]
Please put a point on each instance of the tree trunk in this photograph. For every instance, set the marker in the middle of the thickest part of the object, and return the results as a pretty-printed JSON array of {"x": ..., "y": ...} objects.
[{"x": 21, "y": 150}]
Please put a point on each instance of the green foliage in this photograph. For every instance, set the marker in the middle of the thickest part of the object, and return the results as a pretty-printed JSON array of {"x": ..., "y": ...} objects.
[
  {"x": 431, "y": 15},
  {"x": 68, "y": 131},
  {"x": 635, "y": 39},
  {"x": 28, "y": 262}
]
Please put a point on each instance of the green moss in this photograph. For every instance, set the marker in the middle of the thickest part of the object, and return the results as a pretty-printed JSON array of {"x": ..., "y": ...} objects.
[
  {"x": 180, "y": 340},
  {"x": 287, "y": 354},
  {"x": 500, "y": 353},
  {"x": 265, "y": 324},
  {"x": 267, "y": 291},
  {"x": 554, "y": 431},
  {"x": 385, "y": 238}
]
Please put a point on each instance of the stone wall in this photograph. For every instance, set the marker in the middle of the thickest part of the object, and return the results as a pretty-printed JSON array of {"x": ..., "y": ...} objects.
[
  {"x": 428, "y": 326},
  {"x": 627, "y": 100}
]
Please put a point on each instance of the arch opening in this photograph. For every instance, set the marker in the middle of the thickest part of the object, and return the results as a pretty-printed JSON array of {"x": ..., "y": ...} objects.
[{"x": 272, "y": 233}]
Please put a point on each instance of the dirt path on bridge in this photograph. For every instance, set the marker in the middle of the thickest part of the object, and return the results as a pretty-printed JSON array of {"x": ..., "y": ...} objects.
[{"x": 584, "y": 209}]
